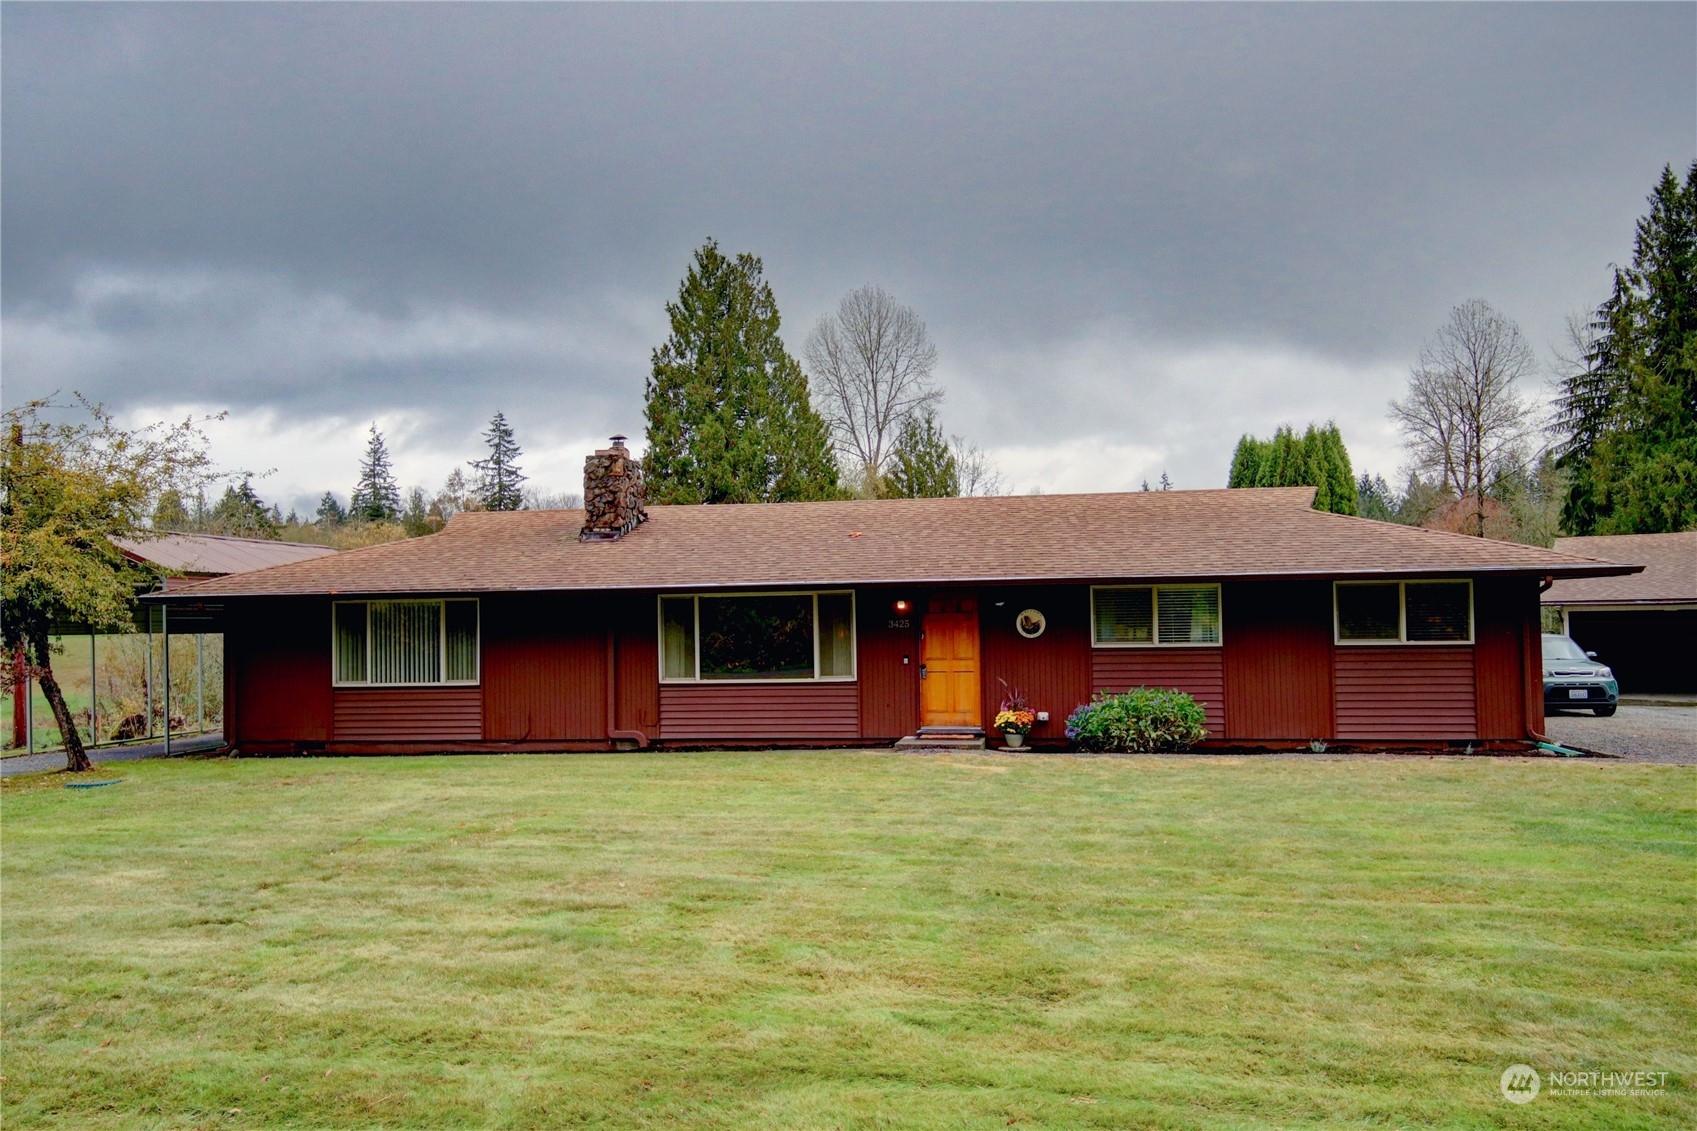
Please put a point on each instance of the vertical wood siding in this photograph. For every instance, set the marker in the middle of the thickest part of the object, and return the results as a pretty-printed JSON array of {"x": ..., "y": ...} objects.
[
  {"x": 1054, "y": 669},
  {"x": 889, "y": 689},
  {"x": 1391, "y": 692},
  {"x": 804, "y": 712},
  {"x": 544, "y": 667},
  {"x": 409, "y": 714},
  {"x": 1277, "y": 645},
  {"x": 1198, "y": 672},
  {"x": 1501, "y": 609},
  {"x": 637, "y": 662},
  {"x": 277, "y": 652}
]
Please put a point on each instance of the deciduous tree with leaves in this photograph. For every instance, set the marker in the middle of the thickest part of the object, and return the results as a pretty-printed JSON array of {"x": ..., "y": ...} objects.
[
  {"x": 71, "y": 481},
  {"x": 729, "y": 417}
]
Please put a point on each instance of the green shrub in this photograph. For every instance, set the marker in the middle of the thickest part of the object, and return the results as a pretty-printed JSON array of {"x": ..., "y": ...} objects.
[{"x": 1143, "y": 720}]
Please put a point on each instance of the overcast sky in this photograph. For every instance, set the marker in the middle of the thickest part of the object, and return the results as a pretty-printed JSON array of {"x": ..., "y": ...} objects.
[{"x": 1135, "y": 232}]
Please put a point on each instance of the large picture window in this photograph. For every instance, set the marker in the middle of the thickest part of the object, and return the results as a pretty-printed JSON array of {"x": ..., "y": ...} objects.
[
  {"x": 404, "y": 643},
  {"x": 757, "y": 636},
  {"x": 1404, "y": 612},
  {"x": 1149, "y": 616}
]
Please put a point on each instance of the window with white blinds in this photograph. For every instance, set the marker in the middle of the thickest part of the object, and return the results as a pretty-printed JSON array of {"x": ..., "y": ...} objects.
[
  {"x": 405, "y": 643},
  {"x": 1144, "y": 616}
]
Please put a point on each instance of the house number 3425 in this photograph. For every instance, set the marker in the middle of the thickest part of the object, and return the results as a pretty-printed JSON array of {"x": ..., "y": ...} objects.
[{"x": 904, "y": 622}]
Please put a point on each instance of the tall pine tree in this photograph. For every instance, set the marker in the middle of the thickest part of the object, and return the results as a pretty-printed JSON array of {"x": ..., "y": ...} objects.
[
  {"x": 376, "y": 498},
  {"x": 729, "y": 420},
  {"x": 1628, "y": 411},
  {"x": 498, "y": 477}
]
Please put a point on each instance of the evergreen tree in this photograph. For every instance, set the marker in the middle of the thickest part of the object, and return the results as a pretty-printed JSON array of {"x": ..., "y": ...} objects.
[
  {"x": 1246, "y": 462},
  {"x": 922, "y": 465},
  {"x": 1373, "y": 498},
  {"x": 729, "y": 419},
  {"x": 498, "y": 477},
  {"x": 169, "y": 513},
  {"x": 1166, "y": 484},
  {"x": 1317, "y": 458},
  {"x": 1627, "y": 413},
  {"x": 376, "y": 498},
  {"x": 242, "y": 514},
  {"x": 330, "y": 512}
]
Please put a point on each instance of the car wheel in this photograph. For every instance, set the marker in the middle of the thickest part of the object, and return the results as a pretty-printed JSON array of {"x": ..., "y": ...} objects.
[{"x": 1603, "y": 712}]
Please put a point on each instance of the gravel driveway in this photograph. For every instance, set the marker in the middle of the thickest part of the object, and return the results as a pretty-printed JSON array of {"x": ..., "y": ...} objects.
[{"x": 1643, "y": 734}]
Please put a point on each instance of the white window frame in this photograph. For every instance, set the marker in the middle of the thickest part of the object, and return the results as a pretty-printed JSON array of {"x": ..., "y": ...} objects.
[
  {"x": 695, "y": 612},
  {"x": 1155, "y": 612},
  {"x": 441, "y": 641},
  {"x": 1402, "y": 640}
]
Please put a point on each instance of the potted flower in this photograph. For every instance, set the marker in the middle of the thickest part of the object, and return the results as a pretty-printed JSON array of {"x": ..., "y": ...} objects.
[{"x": 1016, "y": 717}]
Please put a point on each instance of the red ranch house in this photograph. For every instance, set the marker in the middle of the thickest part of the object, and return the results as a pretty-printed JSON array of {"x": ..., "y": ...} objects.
[{"x": 861, "y": 622}]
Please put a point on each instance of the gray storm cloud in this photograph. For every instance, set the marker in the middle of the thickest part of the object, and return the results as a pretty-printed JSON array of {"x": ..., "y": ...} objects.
[{"x": 337, "y": 209}]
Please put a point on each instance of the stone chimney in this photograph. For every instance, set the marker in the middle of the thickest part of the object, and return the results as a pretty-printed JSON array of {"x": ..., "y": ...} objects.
[{"x": 613, "y": 494}]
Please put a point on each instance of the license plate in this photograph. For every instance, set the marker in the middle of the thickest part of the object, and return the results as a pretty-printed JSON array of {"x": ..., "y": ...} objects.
[{"x": 1578, "y": 693}]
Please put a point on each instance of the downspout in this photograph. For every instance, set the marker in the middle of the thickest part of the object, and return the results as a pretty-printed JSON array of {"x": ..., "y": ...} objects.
[{"x": 613, "y": 733}]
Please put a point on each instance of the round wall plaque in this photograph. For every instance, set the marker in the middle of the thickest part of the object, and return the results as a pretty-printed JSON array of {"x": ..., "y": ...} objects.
[{"x": 1031, "y": 624}]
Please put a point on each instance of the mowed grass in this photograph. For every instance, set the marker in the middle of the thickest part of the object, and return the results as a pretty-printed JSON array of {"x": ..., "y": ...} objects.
[{"x": 847, "y": 940}]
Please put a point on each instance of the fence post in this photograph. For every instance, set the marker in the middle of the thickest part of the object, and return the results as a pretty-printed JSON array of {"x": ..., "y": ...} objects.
[
  {"x": 93, "y": 694},
  {"x": 29, "y": 712},
  {"x": 147, "y": 673},
  {"x": 165, "y": 631},
  {"x": 200, "y": 680}
]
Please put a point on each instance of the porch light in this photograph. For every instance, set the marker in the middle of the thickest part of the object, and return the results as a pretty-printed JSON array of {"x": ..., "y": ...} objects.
[{"x": 902, "y": 608}]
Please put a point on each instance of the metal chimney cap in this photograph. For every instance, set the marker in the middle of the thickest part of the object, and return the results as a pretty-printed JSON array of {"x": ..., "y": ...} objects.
[{"x": 618, "y": 441}]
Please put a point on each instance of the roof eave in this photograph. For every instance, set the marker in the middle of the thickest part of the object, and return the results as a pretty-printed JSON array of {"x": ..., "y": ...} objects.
[{"x": 1574, "y": 570}]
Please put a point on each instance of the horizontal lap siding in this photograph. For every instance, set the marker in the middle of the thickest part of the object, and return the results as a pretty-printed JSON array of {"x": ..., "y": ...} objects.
[
  {"x": 823, "y": 712},
  {"x": 1198, "y": 672},
  {"x": 409, "y": 714},
  {"x": 1405, "y": 693}
]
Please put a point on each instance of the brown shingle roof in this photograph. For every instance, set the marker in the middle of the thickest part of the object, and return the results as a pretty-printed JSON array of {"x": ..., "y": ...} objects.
[
  {"x": 1159, "y": 534},
  {"x": 1669, "y": 577}
]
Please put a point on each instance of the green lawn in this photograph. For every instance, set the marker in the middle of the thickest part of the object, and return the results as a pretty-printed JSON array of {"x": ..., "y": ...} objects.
[{"x": 847, "y": 940}]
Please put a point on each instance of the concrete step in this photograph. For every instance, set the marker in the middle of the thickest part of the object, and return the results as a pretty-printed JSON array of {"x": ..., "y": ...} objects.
[{"x": 924, "y": 742}]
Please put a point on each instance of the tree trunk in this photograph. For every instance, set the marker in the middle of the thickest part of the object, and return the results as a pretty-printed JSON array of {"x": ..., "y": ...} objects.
[{"x": 76, "y": 758}]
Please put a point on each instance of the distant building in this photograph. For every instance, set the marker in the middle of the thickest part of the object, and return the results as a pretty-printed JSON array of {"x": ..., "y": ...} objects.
[
  {"x": 1643, "y": 625},
  {"x": 185, "y": 558}
]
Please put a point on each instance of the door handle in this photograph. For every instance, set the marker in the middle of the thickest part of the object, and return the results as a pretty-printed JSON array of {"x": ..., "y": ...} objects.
[{"x": 921, "y": 671}]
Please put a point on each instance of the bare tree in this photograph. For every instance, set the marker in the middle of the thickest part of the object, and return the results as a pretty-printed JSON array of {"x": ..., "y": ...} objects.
[
  {"x": 978, "y": 474},
  {"x": 870, "y": 365},
  {"x": 1464, "y": 420}
]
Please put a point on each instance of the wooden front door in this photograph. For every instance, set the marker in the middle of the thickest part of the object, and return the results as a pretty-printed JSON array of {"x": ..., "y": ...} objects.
[{"x": 948, "y": 685}]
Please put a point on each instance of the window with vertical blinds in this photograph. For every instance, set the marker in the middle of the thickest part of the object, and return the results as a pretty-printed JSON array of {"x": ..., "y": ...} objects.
[{"x": 405, "y": 643}]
